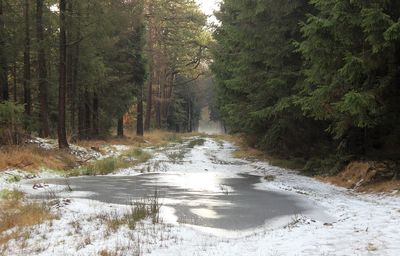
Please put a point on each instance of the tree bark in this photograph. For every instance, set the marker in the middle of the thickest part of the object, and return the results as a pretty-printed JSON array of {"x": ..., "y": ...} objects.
[
  {"x": 3, "y": 57},
  {"x": 158, "y": 102},
  {"x": 81, "y": 119},
  {"x": 43, "y": 84},
  {"x": 87, "y": 114},
  {"x": 69, "y": 59},
  {"x": 95, "y": 115},
  {"x": 189, "y": 128},
  {"x": 15, "y": 89},
  {"x": 27, "y": 62},
  {"x": 61, "y": 130},
  {"x": 149, "y": 101},
  {"x": 139, "y": 117},
  {"x": 120, "y": 128},
  {"x": 74, "y": 85}
]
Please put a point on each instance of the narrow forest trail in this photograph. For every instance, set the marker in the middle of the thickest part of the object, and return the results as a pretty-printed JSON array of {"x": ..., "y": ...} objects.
[
  {"x": 202, "y": 184},
  {"x": 214, "y": 204}
]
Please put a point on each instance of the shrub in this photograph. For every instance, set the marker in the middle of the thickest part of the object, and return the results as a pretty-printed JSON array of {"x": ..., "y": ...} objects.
[
  {"x": 11, "y": 119},
  {"x": 139, "y": 155}
]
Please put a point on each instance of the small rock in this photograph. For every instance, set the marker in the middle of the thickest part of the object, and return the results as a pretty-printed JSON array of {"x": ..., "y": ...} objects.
[{"x": 39, "y": 185}]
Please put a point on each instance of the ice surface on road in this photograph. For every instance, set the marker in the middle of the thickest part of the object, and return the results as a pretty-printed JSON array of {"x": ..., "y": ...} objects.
[{"x": 361, "y": 224}]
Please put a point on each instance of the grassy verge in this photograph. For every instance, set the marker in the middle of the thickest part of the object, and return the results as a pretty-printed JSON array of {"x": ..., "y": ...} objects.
[
  {"x": 31, "y": 158},
  {"x": 108, "y": 165},
  {"x": 338, "y": 170},
  {"x": 196, "y": 142},
  {"x": 139, "y": 210},
  {"x": 17, "y": 216},
  {"x": 244, "y": 151}
]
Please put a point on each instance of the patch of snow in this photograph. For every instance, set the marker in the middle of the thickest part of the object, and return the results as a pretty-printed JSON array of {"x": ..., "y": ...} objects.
[
  {"x": 43, "y": 143},
  {"x": 350, "y": 223}
]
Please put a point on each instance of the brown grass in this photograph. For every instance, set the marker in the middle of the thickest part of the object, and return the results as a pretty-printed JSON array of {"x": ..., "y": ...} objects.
[
  {"x": 153, "y": 138},
  {"x": 364, "y": 176},
  {"x": 18, "y": 215},
  {"x": 31, "y": 158},
  {"x": 384, "y": 186},
  {"x": 244, "y": 151},
  {"x": 378, "y": 187},
  {"x": 105, "y": 253}
]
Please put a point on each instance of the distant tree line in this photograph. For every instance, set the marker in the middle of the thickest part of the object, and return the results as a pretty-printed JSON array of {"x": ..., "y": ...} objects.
[
  {"x": 317, "y": 80},
  {"x": 72, "y": 69}
]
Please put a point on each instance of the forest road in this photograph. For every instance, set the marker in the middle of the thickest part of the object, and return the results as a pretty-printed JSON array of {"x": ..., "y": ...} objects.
[{"x": 208, "y": 188}]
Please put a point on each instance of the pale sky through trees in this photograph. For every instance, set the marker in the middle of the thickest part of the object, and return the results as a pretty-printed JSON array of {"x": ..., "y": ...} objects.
[{"x": 208, "y": 7}]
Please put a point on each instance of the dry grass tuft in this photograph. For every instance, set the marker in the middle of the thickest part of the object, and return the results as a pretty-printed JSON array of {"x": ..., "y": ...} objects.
[
  {"x": 244, "y": 151},
  {"x": 152, "y": 138},
  {"x": 31, "y": 158},
  {"x": 366, "y": 176},
  {"x": 139, "y": 210},
  {"x": 384, "y": 186},
  {"x": 105, "y": 253},
  {"x": 17, "y": 215}
]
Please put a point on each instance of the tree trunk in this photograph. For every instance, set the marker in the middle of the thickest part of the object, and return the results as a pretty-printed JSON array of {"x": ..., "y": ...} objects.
[
  {"x": 69, "y": 59},
  {"x": 87, "y": 114},
  {"x": 139, "y": 121},
  {"x": 3, "y": 57},
  {"x": 43, "y": 85},
  {"x": 15, "y": 91},
  {"x": 158, "y": 103},
  {"x": 95, "y": 115},
  {"x": 168, "y": 94},
  {"x": 149, "y": 102},
  {"x": 74, "y": 85},
  {"x": 189, "y": 128},
  {"x": 62, "y": 134},
  {"x": 27, "y": 62},
  {"x": 120, "y": 128},
  {"x": 81, "y": 119},
  {"x": 163, "y": 82}
]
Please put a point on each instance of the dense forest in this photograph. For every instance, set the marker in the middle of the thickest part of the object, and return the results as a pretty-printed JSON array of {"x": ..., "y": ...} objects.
[
  {"x": 315, "y": 80},
  {"x": 82, "y": 69}
]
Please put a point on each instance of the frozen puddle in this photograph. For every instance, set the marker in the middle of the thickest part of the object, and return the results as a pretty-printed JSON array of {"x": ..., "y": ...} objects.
[
  {"x": 206, "y": 199},
  {"x": 223, "y": 208}
]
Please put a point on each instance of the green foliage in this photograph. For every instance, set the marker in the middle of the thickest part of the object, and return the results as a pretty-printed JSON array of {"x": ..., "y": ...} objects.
[
  {"x": 139, "y": 155},
  {"x": 108, "y": 165},
  {"x": 11, "y": 120},
  {"x": 185, "y": 109},
  {"x": 328, "y": 165},
  {"x": 8, "y": 194},
  {"x": 104, "y": 61},
  {"x": 257, "y": 70},
  {"x": 139, "y": 210},
  {"x": 311, "y": 78},
  {"x": 174, "y": 138},
  {"x": 351, "y": 54},
  {"x": 196, "y": 142},
  {"x": 11, "y": 114},
  {"x": 100, "y": 167}
]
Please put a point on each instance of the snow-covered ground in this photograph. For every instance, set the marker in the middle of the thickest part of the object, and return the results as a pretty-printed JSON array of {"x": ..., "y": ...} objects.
[{"x": 358, "y": 224}]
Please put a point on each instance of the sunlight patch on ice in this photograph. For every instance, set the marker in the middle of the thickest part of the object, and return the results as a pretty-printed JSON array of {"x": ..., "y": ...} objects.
[
  {"x": 205, "y": 182},
  {"x": 205, "y": 213}
]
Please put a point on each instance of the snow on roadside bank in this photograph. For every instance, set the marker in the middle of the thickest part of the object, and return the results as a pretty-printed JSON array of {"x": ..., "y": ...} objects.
[{"x": 362, "y": 224}]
